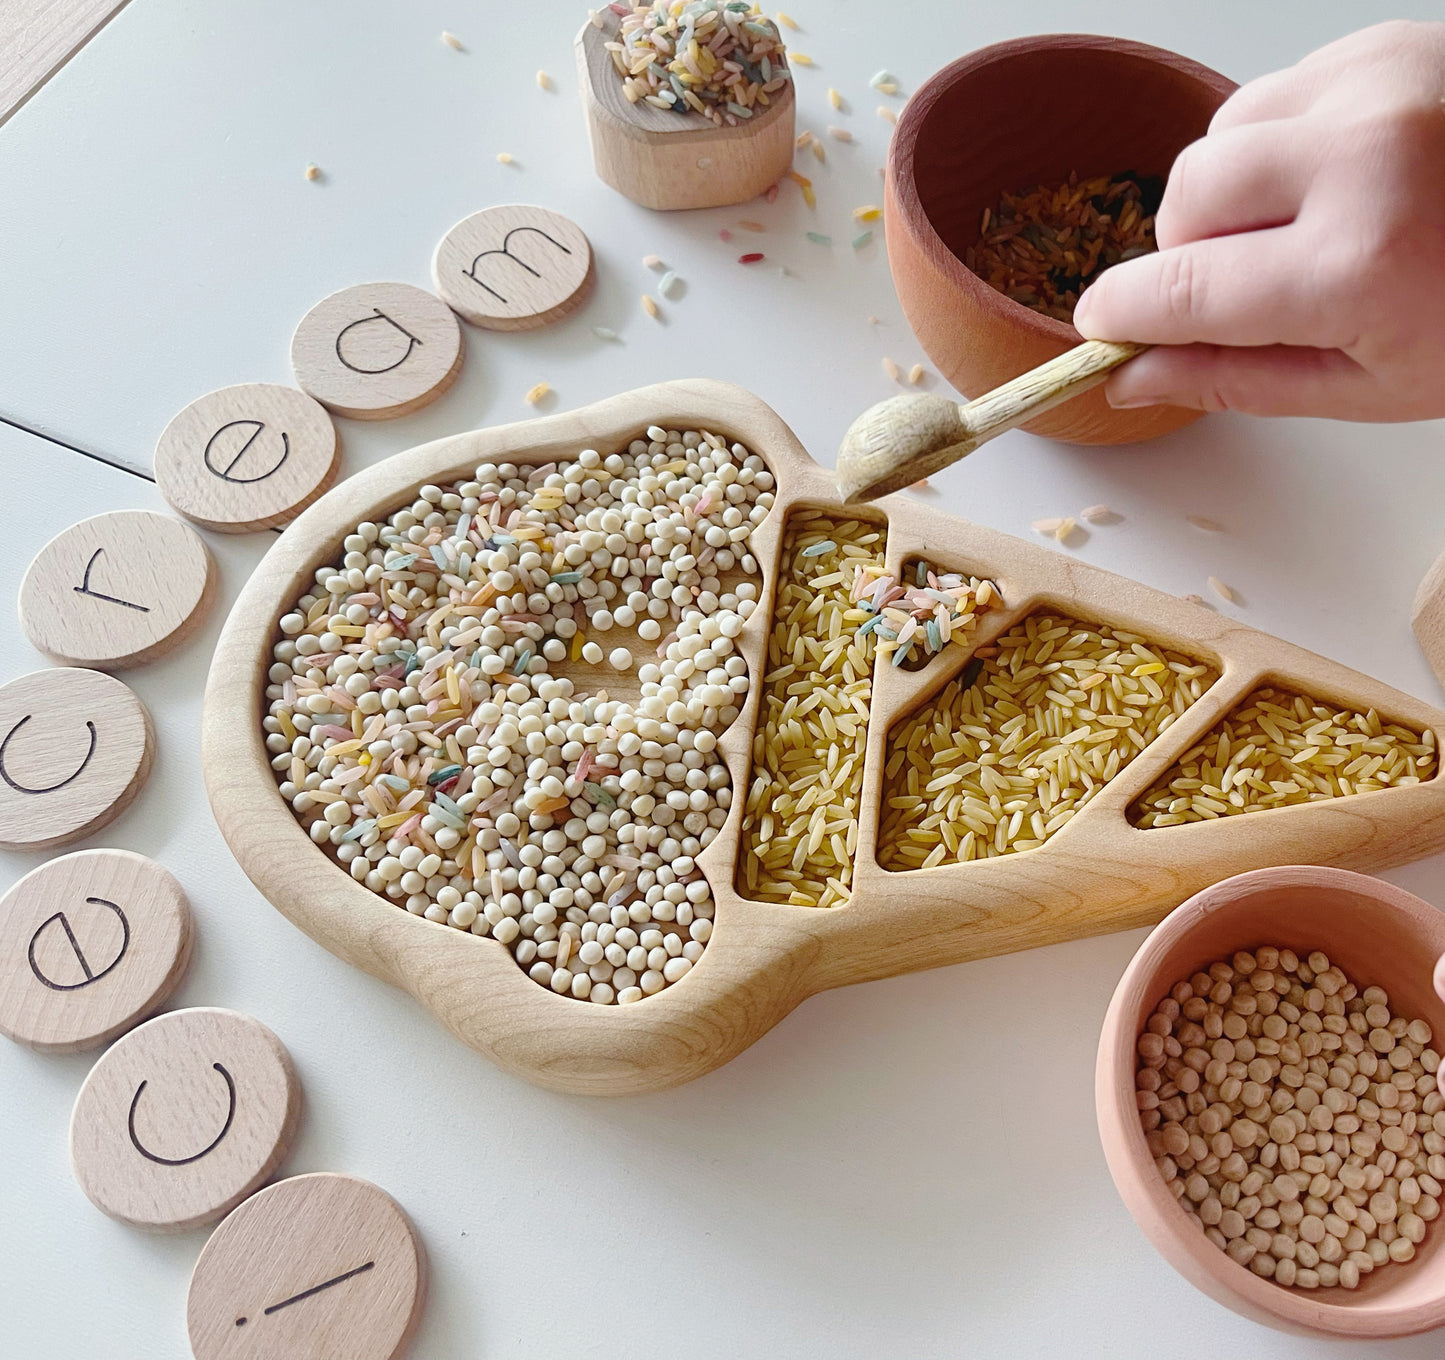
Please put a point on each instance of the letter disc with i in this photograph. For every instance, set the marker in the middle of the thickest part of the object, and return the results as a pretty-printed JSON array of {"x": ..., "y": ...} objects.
[
  {"x": 117, "y": 589},
  {"x": 312, "y": 1268},
  {"x": 90, "y": 944},
  {"x": 184, "y": 1117},
  {"x": 377, "y": 350},
  {"x": 75, "y": 748},
  {"x": 246, "y": 457},
  {"x": 514, "y": 267}
]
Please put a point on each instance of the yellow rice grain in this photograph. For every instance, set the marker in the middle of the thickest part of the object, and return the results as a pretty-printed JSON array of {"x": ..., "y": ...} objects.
[
  {"x": 1019, "y": 742},
  {"x": 800, "y": 820},
  {"x": 1277, "y": 749}
]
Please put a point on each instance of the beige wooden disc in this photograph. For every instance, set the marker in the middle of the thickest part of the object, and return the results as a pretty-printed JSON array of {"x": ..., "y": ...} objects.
[
  {"x": 247, "y": 457},
  {"x": 183, "y": 1118},
  {"x": 90, "y": 944},
  {"x": 377, "y": 350},
  {"x": 117, "y": 589},
  {"x": 75, "y": 748},
  {"x": 317, "y": 1267},
  {"x": 514, "y": 267}
]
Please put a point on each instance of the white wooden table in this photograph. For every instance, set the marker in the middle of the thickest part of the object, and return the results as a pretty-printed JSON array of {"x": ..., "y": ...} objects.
[{"x": 904, "y": 1169}]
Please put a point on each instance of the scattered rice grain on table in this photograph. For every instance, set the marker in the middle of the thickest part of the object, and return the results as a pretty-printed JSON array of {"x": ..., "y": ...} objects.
[
  {"x": 887, "y": 114},
  {"x": 1278, "y": 749},
  {"x": 1043, "y": 246},
  {"x": 1032, "y": 728},
  {"x": 452, "y": 41},
  {"x": 800, "y": 821},
  {"x": 427, "y": 725},
  {"x": 713, "y": 58},
  {"x": 1294, "y": 1117}
]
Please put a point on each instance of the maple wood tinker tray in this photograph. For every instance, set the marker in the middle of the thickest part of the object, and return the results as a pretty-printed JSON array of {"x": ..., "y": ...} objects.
[{"x": 1097, "y": 873}]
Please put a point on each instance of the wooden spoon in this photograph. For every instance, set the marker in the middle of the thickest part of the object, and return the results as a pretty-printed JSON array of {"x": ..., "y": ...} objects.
[{"x": 894, "y": 444}]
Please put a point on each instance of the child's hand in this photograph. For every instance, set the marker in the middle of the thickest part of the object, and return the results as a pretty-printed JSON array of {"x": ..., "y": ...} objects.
[{"x": 1301, "y": 268}]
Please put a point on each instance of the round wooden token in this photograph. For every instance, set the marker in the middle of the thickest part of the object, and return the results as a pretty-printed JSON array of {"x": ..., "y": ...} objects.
[
  {"x": 183, "y": 1118},
  {"x": 75, "y": 748},
  {"x": 514, "y": 267},
  {"x": 312, "y": 1268},
  {"x": 377, "y": 350},
  {"x": 246, "y": 457},
  {"x": 90, "y": 944},
  {"x": 117, "y": 589}
]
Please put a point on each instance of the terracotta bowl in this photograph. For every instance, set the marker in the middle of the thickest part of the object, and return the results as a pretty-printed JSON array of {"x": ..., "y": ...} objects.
[
  {"x": 1380, "y": 935},
  {"x": 1002, "y": 119}
]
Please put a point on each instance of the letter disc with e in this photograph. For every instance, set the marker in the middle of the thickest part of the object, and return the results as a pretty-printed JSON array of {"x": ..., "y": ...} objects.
[
  {"x": 247, "y": 457},
  {"x": 90, "y": 944}
]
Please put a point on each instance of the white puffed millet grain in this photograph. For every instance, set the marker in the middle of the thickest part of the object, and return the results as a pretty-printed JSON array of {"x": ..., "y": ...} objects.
[
  {"x": 1294, "y": 1117},
  {"x": 424, "y": 727}
]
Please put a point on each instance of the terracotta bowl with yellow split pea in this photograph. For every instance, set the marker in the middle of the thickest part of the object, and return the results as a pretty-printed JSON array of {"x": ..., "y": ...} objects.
[
  {"x": 1000, "y": 121},
  {"x": 1378, "y": 935}
]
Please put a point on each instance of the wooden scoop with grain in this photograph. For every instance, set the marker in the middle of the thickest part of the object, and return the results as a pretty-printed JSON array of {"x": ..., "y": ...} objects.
[{"x": 903, "y": 439}]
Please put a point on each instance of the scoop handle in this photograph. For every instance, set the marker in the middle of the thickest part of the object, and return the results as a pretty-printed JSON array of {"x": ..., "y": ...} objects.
[{"x": 1041, "y": 389}]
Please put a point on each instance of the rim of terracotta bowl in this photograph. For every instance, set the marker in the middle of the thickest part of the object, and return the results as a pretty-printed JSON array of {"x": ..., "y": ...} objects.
[
  {"x": 1132, "y": 1166},
  {"x": 915, "y": 115}
]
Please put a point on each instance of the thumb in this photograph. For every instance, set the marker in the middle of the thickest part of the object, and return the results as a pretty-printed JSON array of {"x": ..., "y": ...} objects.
[
  {"x": 1271, "y": 380},
  {"x": 1246, "y": 289}
]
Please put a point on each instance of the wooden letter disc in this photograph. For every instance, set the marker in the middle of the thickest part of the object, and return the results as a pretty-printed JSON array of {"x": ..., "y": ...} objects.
[
  {"x": 75, "y": 747},
  {"x": 183, "y": 1118},
  {"x": 90, "y": 944},
  {"x": 117, "y": 589},
  {"x": 377, "y": 350},
  {"x": 312, "y": 1268},
  {"x": 513, "y": 268},
  {"x": 246, "y": 457}
]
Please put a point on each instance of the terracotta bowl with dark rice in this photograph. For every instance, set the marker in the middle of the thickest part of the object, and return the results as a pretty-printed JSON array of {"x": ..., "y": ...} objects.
[{"x": 1002, "y": 120}]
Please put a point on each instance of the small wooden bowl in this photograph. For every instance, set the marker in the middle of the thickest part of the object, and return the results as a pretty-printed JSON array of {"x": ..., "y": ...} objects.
[
  {"x": 1000, "y": 120},
  {"x": 1380, "y": 935},
  {"x": 668, "y": 160}
]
